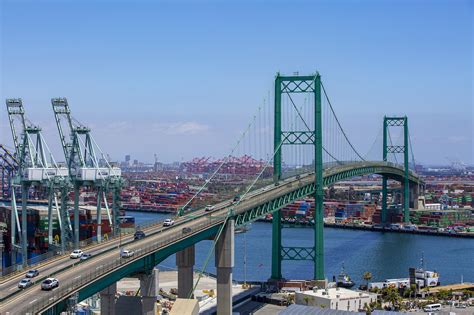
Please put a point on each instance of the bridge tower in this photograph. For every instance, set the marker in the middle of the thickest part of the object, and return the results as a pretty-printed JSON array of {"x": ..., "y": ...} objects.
[
  {"x": 398, "y": 121},
  {"x": 287, "y": 85}
]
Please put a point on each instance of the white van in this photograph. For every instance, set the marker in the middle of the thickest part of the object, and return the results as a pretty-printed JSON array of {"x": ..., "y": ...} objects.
[{"x": 432, "y": 307}]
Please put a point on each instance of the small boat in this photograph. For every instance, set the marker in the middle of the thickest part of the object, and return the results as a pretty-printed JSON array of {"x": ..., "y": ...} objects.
[
  {"x": 343, "y": 279},
  {"x": 241, "y": 229}
]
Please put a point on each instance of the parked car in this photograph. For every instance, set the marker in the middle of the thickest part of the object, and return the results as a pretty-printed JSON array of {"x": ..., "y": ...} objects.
[
  {"x": 186, "y": 230},
  {"x": 49, "y": 284},
  {"x": 32, "y": 273},
  {"x": 236, "y": 198},
  {"x": 77, "y": 253},
  {"x": 168, "y": 222},
  {"x": 86, "y": 256},
  {"x": 138, "y": 235},
  {"x": 210, "y": 207},
  {"x": 24, "y": 283},
  {"x": 126, "y": 253}
]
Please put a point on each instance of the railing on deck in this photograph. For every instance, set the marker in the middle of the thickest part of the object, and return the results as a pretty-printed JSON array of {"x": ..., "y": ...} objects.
[
  {"x": 67, "y": 288},
  {"x": 51, "y": 255}
]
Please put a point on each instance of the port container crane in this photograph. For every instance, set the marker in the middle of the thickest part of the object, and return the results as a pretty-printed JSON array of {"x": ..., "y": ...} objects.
[
  {"x": 9, "y": 165},
  {"x": 85, "y": 168},
  {"x": 36, "y": 168}
]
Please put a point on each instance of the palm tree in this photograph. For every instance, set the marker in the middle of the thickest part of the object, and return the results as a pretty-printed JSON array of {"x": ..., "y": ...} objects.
[
  {"x": 367, "y": 277},
  {"x": 391, "y": 295}
]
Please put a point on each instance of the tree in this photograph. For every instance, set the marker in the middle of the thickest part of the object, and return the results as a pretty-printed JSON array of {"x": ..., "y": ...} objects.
[
  {"x": 391, "y": 295},
  {"x": 443, "y": 295},
  {"x": 367, "y": 277},
  {"x": 306, "y": 299}
]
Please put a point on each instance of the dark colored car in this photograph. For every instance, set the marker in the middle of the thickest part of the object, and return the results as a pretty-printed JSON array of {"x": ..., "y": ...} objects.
[
  {"x": 138, "y": 235},
  {"x": 186, "y": 230},
  {"x": 236, "y": 198},
  {"x": 32, "y": 273}
]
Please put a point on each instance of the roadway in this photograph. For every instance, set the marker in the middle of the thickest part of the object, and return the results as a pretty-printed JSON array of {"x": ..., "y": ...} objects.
[
  {"x": 74, "y": 276},
  {"x": 67, "y": 270}
]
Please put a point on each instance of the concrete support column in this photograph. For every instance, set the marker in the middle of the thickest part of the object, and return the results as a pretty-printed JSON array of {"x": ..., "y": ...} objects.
[
  {"x": 149, "y": 287},
  {"x": 224, "y": 265},
  {"x": 107, "y": 300},
  {"x": 414, "y": 193},
  {"x": 185, "y": 262}
]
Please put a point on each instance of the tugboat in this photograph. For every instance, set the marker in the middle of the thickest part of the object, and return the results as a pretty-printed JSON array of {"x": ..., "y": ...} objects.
[{"x": 343, "y": 279}]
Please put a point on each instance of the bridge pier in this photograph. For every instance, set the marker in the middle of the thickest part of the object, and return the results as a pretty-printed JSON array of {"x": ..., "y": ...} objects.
[
  {"x": 107, "y": 300},
  {"x": 149, "y": 288},
  {"x": 185, "y": 262},
  {"x": 224, "y": 263},
  {"x": 414, "y": 193}
]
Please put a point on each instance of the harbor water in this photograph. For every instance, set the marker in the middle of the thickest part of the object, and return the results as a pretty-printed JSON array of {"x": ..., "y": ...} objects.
[{"x": 386, "y": 255}]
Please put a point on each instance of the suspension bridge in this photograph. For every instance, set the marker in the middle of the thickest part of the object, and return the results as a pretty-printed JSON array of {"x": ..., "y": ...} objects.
[{"x": 301, "y": 147}]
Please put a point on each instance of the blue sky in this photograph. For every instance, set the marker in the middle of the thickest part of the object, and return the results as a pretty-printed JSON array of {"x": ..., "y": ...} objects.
[{"x": 182, "y": 78}]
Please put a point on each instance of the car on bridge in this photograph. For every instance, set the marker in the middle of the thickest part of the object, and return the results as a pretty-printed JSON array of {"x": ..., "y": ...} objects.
[
  {"x": 138, "y": 235},
  {"x": 126, "y": 253},
  {"x": 86, "y": 256},
  {"x": 49, "y": 284},
  {"x": 168, "y": 222},
  {"x": 24, "y": 283},
  {"x": 77, "y": 253},
  {"x": 187, "y": 230},
  {"x": 32, "y": 273},
  {"x": 210, "y": 207}
]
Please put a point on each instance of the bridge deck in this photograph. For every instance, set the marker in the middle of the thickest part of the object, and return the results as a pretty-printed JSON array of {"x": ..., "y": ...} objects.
[{"x": 106, "y": 266}]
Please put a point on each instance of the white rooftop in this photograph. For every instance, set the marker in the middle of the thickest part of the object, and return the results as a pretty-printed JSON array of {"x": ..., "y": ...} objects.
[{"x": 336, "y": 293}]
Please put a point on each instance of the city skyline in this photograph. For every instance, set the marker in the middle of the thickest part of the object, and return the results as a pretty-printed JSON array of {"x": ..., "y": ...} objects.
[{"x": 172, "y": 80}]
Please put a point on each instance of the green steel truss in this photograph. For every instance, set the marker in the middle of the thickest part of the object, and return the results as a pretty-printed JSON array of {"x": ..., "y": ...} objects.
[
  {"x": 297, "y": 253},
  {"x": 298, "y": 137},
  {"x": 245, "y": 216},
  {"x": 287, "y": 85},
  {"x": 396, "y": 149},
  {"x": 331, "y": 176}
]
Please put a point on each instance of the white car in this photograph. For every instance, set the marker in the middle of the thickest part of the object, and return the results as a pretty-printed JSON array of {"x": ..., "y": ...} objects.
[
  {"x": 77, "y": 253},
  {"x": 49, "y": 284},
  {"x": 209, "y": 208},
  {"x": 126, "y": 253},
  {"x": 168, "y": 222}
]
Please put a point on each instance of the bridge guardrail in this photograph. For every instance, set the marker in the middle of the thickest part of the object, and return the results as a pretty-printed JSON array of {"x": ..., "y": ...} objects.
[
  {"x": 52, "y": 255},
  {"x": 68, "y": 287}
]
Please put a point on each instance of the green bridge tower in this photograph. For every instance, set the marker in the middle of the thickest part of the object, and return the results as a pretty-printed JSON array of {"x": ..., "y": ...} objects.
[
  {"x": 287, "y": 85},
  {"x": 396, "y": 149}
]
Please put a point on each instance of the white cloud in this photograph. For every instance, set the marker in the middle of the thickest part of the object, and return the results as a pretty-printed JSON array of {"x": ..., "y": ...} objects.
[{"x": 180, "y": 128}]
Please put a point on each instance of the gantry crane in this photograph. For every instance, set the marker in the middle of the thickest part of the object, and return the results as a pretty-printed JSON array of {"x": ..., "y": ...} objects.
[
  {"x": 35, "y": 169},
  {"x": 85, "y": 168},
  {"x": 9, "y": 165}
]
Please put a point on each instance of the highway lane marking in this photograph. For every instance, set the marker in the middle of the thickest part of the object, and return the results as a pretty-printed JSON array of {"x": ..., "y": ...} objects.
[
  {"x": 33, "y": 301},
  {"x": 12, "y": 289},
  {"x": 77, "y": 277}
]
